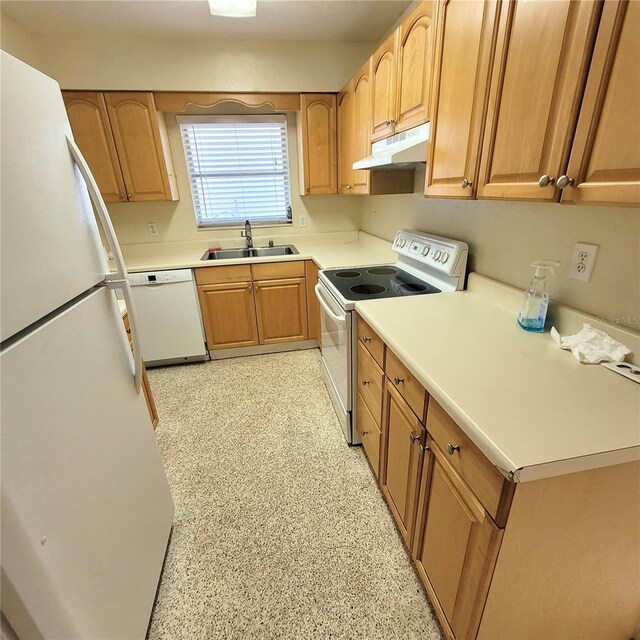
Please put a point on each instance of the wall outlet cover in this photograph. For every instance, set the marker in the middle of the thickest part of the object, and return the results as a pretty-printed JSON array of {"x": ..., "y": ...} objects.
[
  {"x": 153, "y": 229},
  {"x": 303, "y": 220},
  {"x": 582, "y": 261}
]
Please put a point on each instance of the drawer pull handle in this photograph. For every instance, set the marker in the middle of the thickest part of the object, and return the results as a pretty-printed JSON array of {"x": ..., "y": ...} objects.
[
  {"x": 366, "y": 382},
  {"x": 414, "y": 437},
  {"x": 366, "y": 339},
  {"x": 398, "y": 380},
  {"x": 452, "y": 448}
]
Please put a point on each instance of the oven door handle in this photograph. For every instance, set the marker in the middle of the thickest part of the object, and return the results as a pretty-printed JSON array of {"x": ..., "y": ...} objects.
[{"x": 328, "y": 311}]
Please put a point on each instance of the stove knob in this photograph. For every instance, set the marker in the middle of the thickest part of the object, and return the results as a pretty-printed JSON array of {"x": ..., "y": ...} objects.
[
  {"x": 403, "y": 244},
  {"x": 436, "y": 255},
  {"x": 444, "y": 258},
  {"x": 425, "y": 250}
]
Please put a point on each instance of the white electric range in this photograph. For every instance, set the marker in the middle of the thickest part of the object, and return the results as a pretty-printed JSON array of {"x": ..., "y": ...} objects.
[{"x": 426, "y": 264}]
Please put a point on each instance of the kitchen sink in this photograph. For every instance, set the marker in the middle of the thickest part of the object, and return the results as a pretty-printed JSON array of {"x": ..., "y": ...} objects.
[{"x": 255, "y": 252}]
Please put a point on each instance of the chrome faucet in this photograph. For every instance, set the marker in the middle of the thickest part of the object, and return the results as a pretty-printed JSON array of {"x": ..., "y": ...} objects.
[{"x": 248, "y": 235}]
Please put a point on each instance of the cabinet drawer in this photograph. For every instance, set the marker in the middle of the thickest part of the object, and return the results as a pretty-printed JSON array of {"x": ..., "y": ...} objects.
[
  {"x": 221, "y": 275},
  {"x": 370, "y": 380},
  {"x": 372, "y": 341},
  {"x": 275, "y": 270},
  {"x": 405, "y": 382},
  {"x": 491, "y": 488},
  {"x": 369, "y": 434}
]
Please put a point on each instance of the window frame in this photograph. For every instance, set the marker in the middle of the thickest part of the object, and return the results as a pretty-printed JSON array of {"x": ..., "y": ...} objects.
[{"x": 238, "y": 118}]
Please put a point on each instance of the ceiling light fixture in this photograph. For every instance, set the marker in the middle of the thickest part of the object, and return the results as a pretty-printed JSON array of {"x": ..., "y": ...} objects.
[{"x": 233, "y": 8}]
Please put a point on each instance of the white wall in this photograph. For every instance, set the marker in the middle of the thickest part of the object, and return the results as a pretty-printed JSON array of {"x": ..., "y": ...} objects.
[
  {"x": 17, "y": 41},
  {"x": 505, "y": 237},
  {"x": 199, "y": 65}
]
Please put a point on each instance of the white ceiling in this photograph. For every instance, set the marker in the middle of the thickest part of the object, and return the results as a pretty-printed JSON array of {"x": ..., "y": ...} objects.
[{"x": 295, "y": 20}]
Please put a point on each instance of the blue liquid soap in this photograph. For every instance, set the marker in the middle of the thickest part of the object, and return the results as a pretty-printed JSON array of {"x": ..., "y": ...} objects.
[{"x": 533, "y": 312}]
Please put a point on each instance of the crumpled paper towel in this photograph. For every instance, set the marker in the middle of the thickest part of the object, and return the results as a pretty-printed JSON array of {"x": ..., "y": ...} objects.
[{"x": 591, "y": 345}]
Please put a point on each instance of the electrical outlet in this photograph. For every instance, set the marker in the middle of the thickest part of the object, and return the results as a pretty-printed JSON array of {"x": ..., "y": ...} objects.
[
  {"x": 374, "y": 216},
  {"x": 153, "y": 229},
  {"x": 584, "y": 257},
  {"x": 303, "y": 220}
]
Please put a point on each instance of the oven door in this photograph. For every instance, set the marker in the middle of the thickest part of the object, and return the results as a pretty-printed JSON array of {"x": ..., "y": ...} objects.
[{"x": 336, "y": 355}]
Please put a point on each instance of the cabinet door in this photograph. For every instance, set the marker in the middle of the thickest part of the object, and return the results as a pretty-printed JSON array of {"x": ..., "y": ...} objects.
[
  {"x": 403, "y": 435},
  {"x": 456, "y": 548},
  {"x": 362, "y": 126},
  {"x": 605, "y": 158},
  {"x": 383, "y": 89},
  {"x": 136, "y": 130},
  {"x": 345, "y": 140},
  {"x": 318, "y": 140},
  {"x": 543, "y": 52},
  {"x": 462, "y": 65},
  {"x": 87, "y": 113},
  {"x": 414, "y": 68},
  {"x": 229, "y": 315},
  {"x": 281, "y": 307}
]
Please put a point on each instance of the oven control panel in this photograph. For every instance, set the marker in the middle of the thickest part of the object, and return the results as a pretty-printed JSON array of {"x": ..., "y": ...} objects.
[{"x": 437, "y": 252}]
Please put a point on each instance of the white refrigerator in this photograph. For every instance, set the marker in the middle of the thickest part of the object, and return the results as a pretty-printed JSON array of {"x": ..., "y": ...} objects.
[{"x": 86, "y": 506}]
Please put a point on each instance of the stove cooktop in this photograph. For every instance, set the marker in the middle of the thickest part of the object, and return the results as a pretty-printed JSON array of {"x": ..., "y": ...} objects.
[{"x": 367, "y": 283}]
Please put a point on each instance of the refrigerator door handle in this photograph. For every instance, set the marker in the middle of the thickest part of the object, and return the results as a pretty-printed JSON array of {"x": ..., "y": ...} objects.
[{"x": 118, "y": 279}]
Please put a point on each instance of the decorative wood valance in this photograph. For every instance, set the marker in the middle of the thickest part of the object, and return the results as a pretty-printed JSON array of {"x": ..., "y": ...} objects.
[{"x": 178, "y": 101}]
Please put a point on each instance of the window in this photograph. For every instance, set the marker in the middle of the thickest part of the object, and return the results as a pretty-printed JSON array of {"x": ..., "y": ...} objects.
[{"x": 238, "y": 168}]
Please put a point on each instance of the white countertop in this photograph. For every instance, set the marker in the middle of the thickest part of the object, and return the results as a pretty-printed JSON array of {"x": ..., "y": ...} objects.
[
  {"x": 328, "y": 250},
  {"x": 530, "y": 407}
]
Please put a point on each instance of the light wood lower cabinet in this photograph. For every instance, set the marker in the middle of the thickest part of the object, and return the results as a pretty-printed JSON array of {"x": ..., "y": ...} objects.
[
  {"x": 229, "y": 315},
  {"x": 146, "y": 387},
  {"x": 281, "y": 309},
  {"x": 456, "y": 545},
  {"x": 260, "y": 304},
  {"x": 403, "y": 436}
]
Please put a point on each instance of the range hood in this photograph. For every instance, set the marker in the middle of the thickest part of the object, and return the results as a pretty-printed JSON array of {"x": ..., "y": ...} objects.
[{"x": 401, "y": 151}]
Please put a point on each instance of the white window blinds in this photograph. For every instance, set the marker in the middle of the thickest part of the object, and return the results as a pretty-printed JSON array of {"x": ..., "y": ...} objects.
[{"x": 238, "y": 168}]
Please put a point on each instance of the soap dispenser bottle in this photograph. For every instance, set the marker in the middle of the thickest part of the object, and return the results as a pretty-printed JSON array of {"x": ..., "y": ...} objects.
[{"x": 533, "y": 311}]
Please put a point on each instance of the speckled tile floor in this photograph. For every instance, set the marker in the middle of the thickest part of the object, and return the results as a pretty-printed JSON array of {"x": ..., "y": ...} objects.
[{"x": 280, "y": 530}]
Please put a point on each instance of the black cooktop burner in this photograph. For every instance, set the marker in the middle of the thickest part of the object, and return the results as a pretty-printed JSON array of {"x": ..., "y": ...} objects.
[
  {"x": 377, "y": 282},
  {"x": 368, "y": 288},
  {"x": 382, "y": 271}
]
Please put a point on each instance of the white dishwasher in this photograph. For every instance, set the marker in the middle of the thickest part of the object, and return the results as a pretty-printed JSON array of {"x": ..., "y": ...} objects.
[{"x": 169, "y": 317}]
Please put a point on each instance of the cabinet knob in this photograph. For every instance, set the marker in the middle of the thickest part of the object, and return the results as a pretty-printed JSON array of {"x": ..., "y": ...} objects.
[
  {"x": 545, "y": 181},
  {"x": 250, "y": 288},
  {"x": 466, "y": 183},
  {"x": 414, "y": 437},
  {"x": 424, "y": 448},
  {"x": 366, "y": 339},
  {"x": 364, "y": 433},
  {"x": 307, "y": 190},
  {"x": 366, "y": 382},
  {"x": 398, "y": 380},
  {"x": 123, "y": 196},
  {"x": 129, "y": 196},
  {"x": 565, "y": 181},
  {"x": 349, "y": 186},
  {"x": 452, "y": 448}
]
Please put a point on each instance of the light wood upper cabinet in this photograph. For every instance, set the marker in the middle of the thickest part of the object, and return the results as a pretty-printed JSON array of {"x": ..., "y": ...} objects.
[
  {"x": 361, "y": 84},
  {"x": 415, "y": 50},
  {"x": 461, "y": 78},
  {"x": 138, "y": 131},
  {"x": 87, "y": 113},
  {"x": 281, "y": 309},
  {"x": 383, "y": 87},
  {"x": 229, "y": 315},
  {"x": 542, "y": 56},
  {"x": 605, "y": 158},
  {"x": 345, "y": 139},
  {"x": 317, "y": 138},
  {"x": 403, "y": 434},
  {"x": 457, "y": 546}
]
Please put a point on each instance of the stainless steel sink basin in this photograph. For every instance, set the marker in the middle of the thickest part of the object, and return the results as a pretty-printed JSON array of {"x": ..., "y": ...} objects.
[{"x": 256, "y": 252}]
